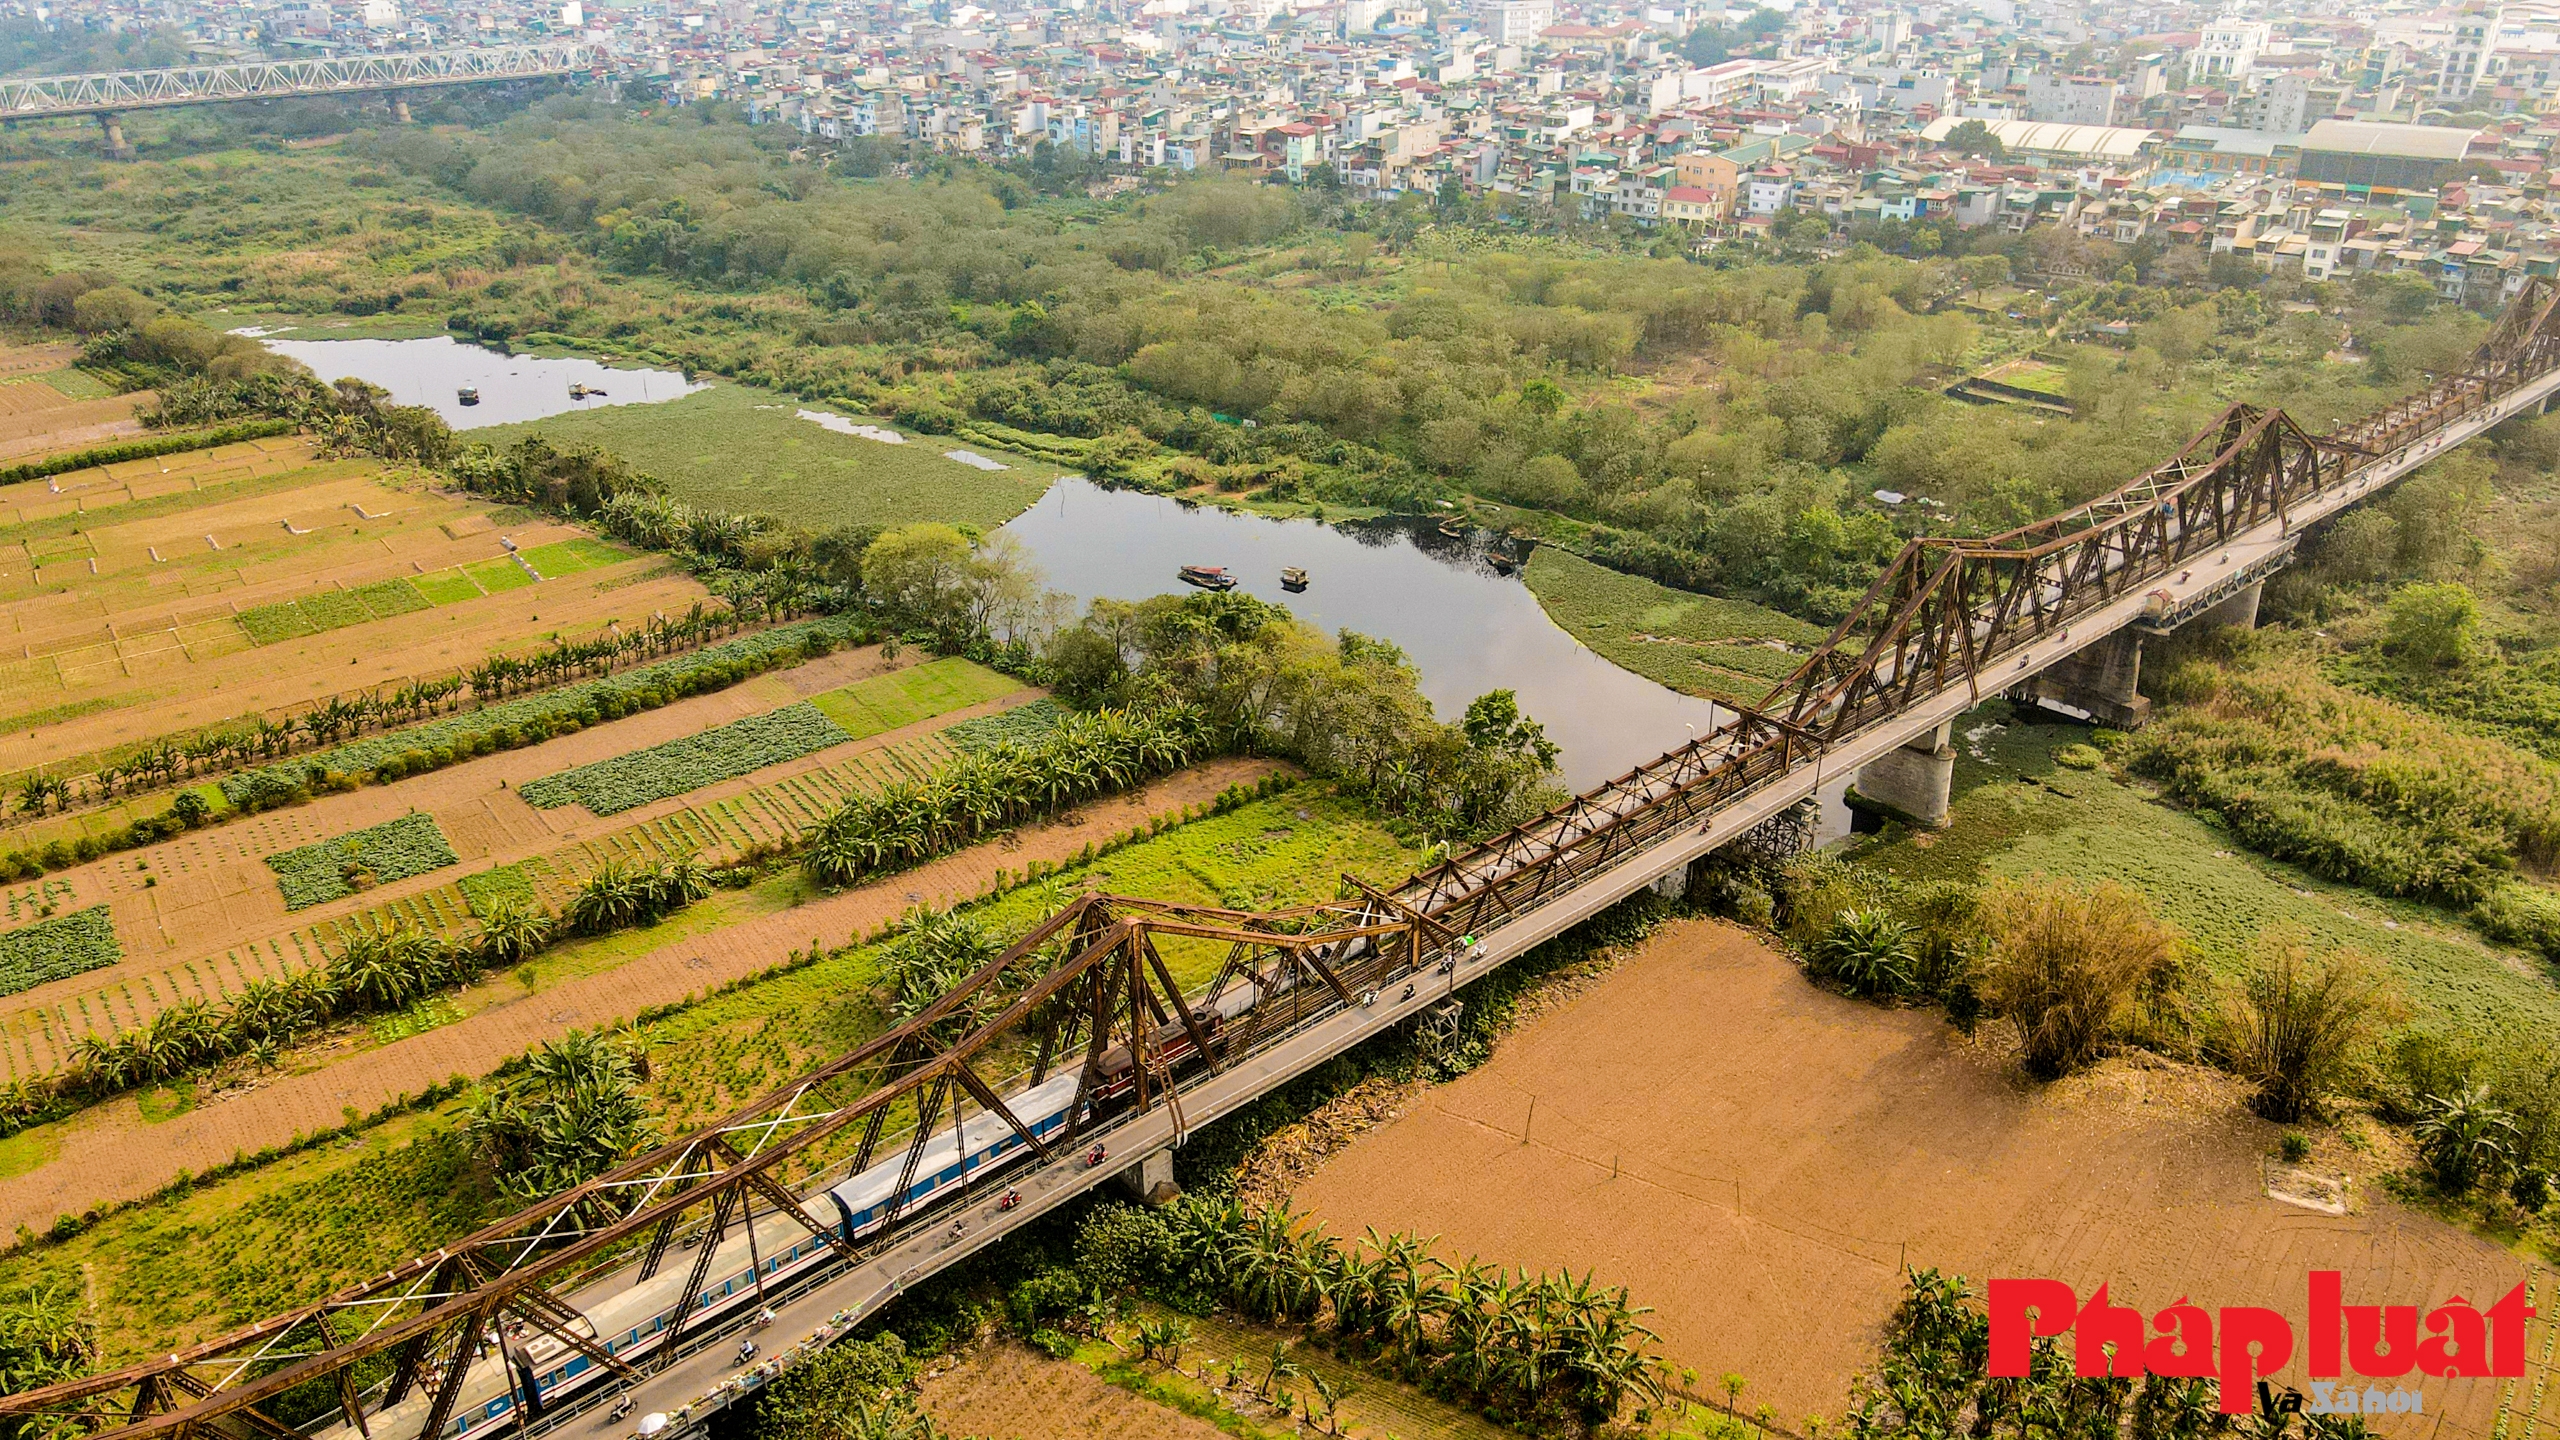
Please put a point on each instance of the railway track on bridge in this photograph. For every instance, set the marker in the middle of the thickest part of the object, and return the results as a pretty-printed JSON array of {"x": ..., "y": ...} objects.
[{"x": 1075, "y": 1053}]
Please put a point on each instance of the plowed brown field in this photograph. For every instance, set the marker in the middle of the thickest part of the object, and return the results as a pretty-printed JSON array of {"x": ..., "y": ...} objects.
[{"x": 1757, "y": 1158}]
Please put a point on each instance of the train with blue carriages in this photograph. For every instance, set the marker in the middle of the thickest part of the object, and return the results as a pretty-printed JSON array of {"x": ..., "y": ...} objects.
[{"x": 542, "y": 1371}]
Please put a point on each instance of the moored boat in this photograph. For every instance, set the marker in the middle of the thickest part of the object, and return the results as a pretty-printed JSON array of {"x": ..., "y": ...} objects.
[
  {"x": 577, "y": 390},
  {"x": 1293, "y": 578},
  {"x": 1207, "y": 577},
  {"x": 468, "y": 394}
]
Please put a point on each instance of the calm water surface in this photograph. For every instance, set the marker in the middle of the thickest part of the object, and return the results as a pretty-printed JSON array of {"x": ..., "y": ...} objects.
[
  {"x": 429, "y": 372},
  {"x": 1467, "y": 628}
]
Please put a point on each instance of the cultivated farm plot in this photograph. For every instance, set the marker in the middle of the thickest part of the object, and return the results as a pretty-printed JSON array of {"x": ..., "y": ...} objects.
[
  {"x": 46, "y": 406},
  {"x": 804, "y": 473},
  {"x": 268, "y": 588},
  {"x": 202, "y": 914}
]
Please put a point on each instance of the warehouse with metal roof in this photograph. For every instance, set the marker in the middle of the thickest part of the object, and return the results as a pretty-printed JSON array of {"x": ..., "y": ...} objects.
[
  {"x": 2072, "y": 142},
  {"x": 2368, "y": 155}
]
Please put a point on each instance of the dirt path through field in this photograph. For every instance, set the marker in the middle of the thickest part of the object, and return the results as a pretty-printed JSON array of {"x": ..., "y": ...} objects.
[
  {"x": 113, "y": 1155},
  {"x": 1756, "y": 1158}
]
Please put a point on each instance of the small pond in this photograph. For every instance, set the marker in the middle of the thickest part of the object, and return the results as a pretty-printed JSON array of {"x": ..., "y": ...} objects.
[
  {"x": 1467, "y": 627},
  {"x": 432, "y": 372}
]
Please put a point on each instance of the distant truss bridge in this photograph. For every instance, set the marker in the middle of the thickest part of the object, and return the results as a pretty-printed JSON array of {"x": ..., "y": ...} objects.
[{"x": 55, "y": 96}]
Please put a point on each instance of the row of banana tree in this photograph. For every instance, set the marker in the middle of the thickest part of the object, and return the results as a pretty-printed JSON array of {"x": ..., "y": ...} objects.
[
  {"x": 343, "y": 717},
  {"x": 1551, "y": 1352},
  {"x": 375, "y": 971},
  {"x": 983, "y": 791}
]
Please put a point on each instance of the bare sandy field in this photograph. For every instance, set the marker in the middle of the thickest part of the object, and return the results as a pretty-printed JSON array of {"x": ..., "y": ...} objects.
[
  {"x": 1007, "y": 1391},
  {"x": 1756, "y": 1159}
]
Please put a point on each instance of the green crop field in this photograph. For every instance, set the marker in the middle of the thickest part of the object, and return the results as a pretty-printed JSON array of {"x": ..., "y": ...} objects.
[
  {"x": 493, "y": 576},
  {"x": 447, "y": 587},
  {"x": 505, "y": 885},
  {"x": 938, "y": 687},
  {"x": 568, "y": 557},
  {"x": 2017, "y": 813},
  {"x": 393, "y": 850},
  {"x": 1021, "y": 725},
  {"x": 50, "y": 949},
  {"x": 1694, "y": 643},
  {"x": 850, "y": 712},
  {"x": 802, "y": 473},
  {"x": 626, "y": 782},
  {"x": 332, "y": 610},
  {"x": 392, "y": 597}
]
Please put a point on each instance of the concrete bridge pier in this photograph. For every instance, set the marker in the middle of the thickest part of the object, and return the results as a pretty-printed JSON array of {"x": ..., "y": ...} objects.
[
  {"x": 1151, "y": 1179},
  {"x": 117, "y": 149},
  {"x": 2097, "y": 684},
  {"x": 400, "y": 108},
  {"x": 1916, "y": 780},
  {"x": 2240, "y": 612}
]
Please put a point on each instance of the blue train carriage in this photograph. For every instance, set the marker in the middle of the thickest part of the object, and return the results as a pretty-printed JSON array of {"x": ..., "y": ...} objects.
[
  {"x": 544, "y": 1368},
  {"x": 984, "y": 1141}
]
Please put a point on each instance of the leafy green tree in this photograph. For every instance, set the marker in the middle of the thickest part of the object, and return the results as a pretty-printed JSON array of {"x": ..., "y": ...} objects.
[
  {"x": 835, "y": 1393},
  {"x": 1973, "y": 137},
  {"x": 2361, "y": 547}
]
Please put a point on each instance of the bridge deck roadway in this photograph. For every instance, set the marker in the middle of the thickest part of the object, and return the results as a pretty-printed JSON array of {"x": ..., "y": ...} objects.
[{"x": 709, "y": 1378}]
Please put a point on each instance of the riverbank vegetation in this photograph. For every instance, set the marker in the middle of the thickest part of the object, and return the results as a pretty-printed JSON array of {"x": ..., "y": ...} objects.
[{"x": 1721, "y": 428}]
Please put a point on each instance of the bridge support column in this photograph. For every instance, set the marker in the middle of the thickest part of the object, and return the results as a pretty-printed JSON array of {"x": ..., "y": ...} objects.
[
  {"x": 400, "y": 109},
  {"x": 117, "y": 149},
  {"x": 1151, "y": 1179},
  {"x": 1915, "y": 781},
  {"x": 1672, "y": 884},
  {"x": 2240, "y": 612},
  {"x": 2097, "y": 684}
]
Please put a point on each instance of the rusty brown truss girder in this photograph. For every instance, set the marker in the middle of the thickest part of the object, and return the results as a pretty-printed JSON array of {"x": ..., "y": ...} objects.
[
  {"x": 1096, "y": 957},
  {"x": 1089, "y": 987}
]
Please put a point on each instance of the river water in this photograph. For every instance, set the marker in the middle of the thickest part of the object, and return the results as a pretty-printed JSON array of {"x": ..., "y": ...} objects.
[
  {"x": 1467, "y": 628},
  {"x": 432, "y": 371}
]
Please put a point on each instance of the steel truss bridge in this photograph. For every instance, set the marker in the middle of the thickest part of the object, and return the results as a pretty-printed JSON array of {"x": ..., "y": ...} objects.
[
  {"x": 637, "y": 1282},
  {"x": 54, "y": 96}
]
